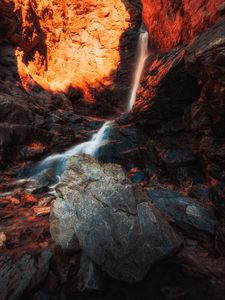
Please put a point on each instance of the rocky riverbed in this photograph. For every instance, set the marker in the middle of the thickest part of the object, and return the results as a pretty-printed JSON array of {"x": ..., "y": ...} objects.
[{"x": 145, "y": 218}]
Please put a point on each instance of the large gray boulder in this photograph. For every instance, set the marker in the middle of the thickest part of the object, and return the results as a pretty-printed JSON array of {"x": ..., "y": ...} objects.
[{"x": 98, "y": 210}]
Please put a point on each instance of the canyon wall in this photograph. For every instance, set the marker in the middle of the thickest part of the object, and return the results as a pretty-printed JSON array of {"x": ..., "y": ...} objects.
[
  {"x": 70, "y": 44},
  {"x": 180, "y": 102},
  {"x": 171, "y": 23},
  {"x": 60, "y": 58}
]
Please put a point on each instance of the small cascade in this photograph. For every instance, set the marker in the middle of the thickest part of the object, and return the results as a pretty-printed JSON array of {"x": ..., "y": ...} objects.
[
  {"x": 56, "y": 162},
  {"x": 141, "y": 58},
  {"x": 89, "y": 147}
]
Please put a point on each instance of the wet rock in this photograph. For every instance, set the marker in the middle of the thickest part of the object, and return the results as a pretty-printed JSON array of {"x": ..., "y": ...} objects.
[
  {"x": 137, "y": 176},
  {"x": 125, "y": 145},
  {"x": 17, "y": 273},
  {"x": 196, "y": 220},
  {"x": 112, "y": 220}
]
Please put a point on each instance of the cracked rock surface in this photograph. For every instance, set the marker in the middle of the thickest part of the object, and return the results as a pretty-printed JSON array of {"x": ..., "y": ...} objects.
[{"x": 98, "y": 210}]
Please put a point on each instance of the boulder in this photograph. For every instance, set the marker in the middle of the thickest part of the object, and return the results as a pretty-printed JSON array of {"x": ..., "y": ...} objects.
[
  {"x": 98, "y": 210},
  {"x": 196, "y": 220}
]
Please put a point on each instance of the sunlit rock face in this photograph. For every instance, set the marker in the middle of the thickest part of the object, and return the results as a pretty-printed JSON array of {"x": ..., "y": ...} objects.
[
  {"x": 64, "y": 44},
  {"x": 173, "y": 22},
  {"x": 180, "y": 102}
]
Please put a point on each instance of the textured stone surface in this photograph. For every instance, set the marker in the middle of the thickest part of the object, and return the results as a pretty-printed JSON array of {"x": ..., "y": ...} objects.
[
  {"x": 90, "y": 277},
  {"x": 196, "y": 220},
  {"x": 17, "y": 273},
  {"x": 113, "y": 221},
  {"x": 181, "y": 106},
  {"x": 66, "y": 44},
  {"x": 171, "y": 23}
]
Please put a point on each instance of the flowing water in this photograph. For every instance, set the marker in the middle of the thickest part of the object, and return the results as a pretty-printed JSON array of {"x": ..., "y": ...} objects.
[
  {"x": 56, "y": 162},
  {"x": 142, "y": 56}
]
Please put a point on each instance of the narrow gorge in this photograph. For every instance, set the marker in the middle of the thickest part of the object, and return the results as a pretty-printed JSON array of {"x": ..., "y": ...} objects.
[{"x": 112, "y": 149}]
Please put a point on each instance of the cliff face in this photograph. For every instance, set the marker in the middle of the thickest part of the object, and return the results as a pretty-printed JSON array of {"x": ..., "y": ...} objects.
[
  {"x": 64, "y": 44},
  {"x": 171, "y": 23},
  {"x": 60, "y": 58},
  {"x": 180, "y": 103}
]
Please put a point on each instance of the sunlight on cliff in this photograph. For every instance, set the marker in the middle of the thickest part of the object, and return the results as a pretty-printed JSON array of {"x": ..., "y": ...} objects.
[{"x": 75, "y": 43}]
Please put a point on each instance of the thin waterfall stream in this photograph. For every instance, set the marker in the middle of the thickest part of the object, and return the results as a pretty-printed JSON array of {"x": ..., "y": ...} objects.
[{"x": 56, "y": 162}]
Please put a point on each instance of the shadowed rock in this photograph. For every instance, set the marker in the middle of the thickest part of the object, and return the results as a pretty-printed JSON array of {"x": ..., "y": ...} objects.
[
  {"x": 19, "y": 272},
  {"x": 196, "y": 220}
]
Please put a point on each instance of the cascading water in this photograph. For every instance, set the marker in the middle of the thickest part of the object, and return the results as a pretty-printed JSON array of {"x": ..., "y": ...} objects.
[
  {"x": 56, "y": 162},
  {"x": 142, "y": 56}
]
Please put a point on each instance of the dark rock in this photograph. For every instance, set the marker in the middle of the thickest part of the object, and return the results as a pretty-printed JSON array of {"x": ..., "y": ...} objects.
[
  {"x": 196, "y": 220},
  {"x": 125, "y": 145},
  {"x": 166, "y": 89},
  {"x": 90, "y": 277},
  {"x": 18, "y": 273},
  {"x": 113, "y": 221}
]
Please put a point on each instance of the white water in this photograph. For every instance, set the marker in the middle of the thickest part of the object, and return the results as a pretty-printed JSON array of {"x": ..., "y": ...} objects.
[
  {"x": 142, "y": 56},
  {"x": 56, "y": 161},
  {"x": 89, "y": 147}
]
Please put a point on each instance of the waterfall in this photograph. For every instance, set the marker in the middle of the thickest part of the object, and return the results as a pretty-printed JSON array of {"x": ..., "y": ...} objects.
[
  {"x": 142, "y": 56},
  {"x": 56, "y": 162},
  {"x": 89, "y": 147}
]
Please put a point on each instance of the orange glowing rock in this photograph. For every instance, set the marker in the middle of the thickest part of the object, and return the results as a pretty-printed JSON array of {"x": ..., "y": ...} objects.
[
  {"x": 41, "y": 211},
  {"x": 2, "y": 239},
  {"x": 14, "y": 201},
  {"x": 70, "y": 43},
  {"x": 28, "y": 198},
  {"x": 173, "y": 22},
  {"x": 37, "y": 146}
]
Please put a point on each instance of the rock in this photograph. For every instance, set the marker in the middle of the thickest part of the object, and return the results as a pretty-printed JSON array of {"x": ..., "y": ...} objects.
[
  {"x": 17, "y": 273},
  {"x": 180, "y": 104},
  {"x": 171, "y": 23},
  {"x": 75, "y": 35},
  {"x": 2, "y": 239},
  {"x": 196, "y": 220},
  {"x": 90, "y": 278},
  {"x": 98, "y": 209},
  {"x": 41, "y": 211},
  {"x": 40, "y": 296},
  {"x": 158, "y": 102},
  {"x": 205, "y": 61},
  {"x": 125, "y": 145}
]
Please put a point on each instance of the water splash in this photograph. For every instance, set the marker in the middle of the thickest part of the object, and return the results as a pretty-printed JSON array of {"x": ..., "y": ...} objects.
[
  {"x": 142, "y": 56},
  {"x": 57, "y": 162}
]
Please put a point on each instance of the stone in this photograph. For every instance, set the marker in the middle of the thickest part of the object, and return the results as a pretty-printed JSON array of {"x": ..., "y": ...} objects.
[
  {"x": 98, "y": 209},
  {"x": 90, "y": 277},
  {"x": 2, "y": 239},
  {"x": 124, "y": 145},
  {"x": 71, "y": 48},
  {"x": 196, "y": 220},
  {"x": 171, "y": 23},
  {"x": 17, "y": 273}
]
